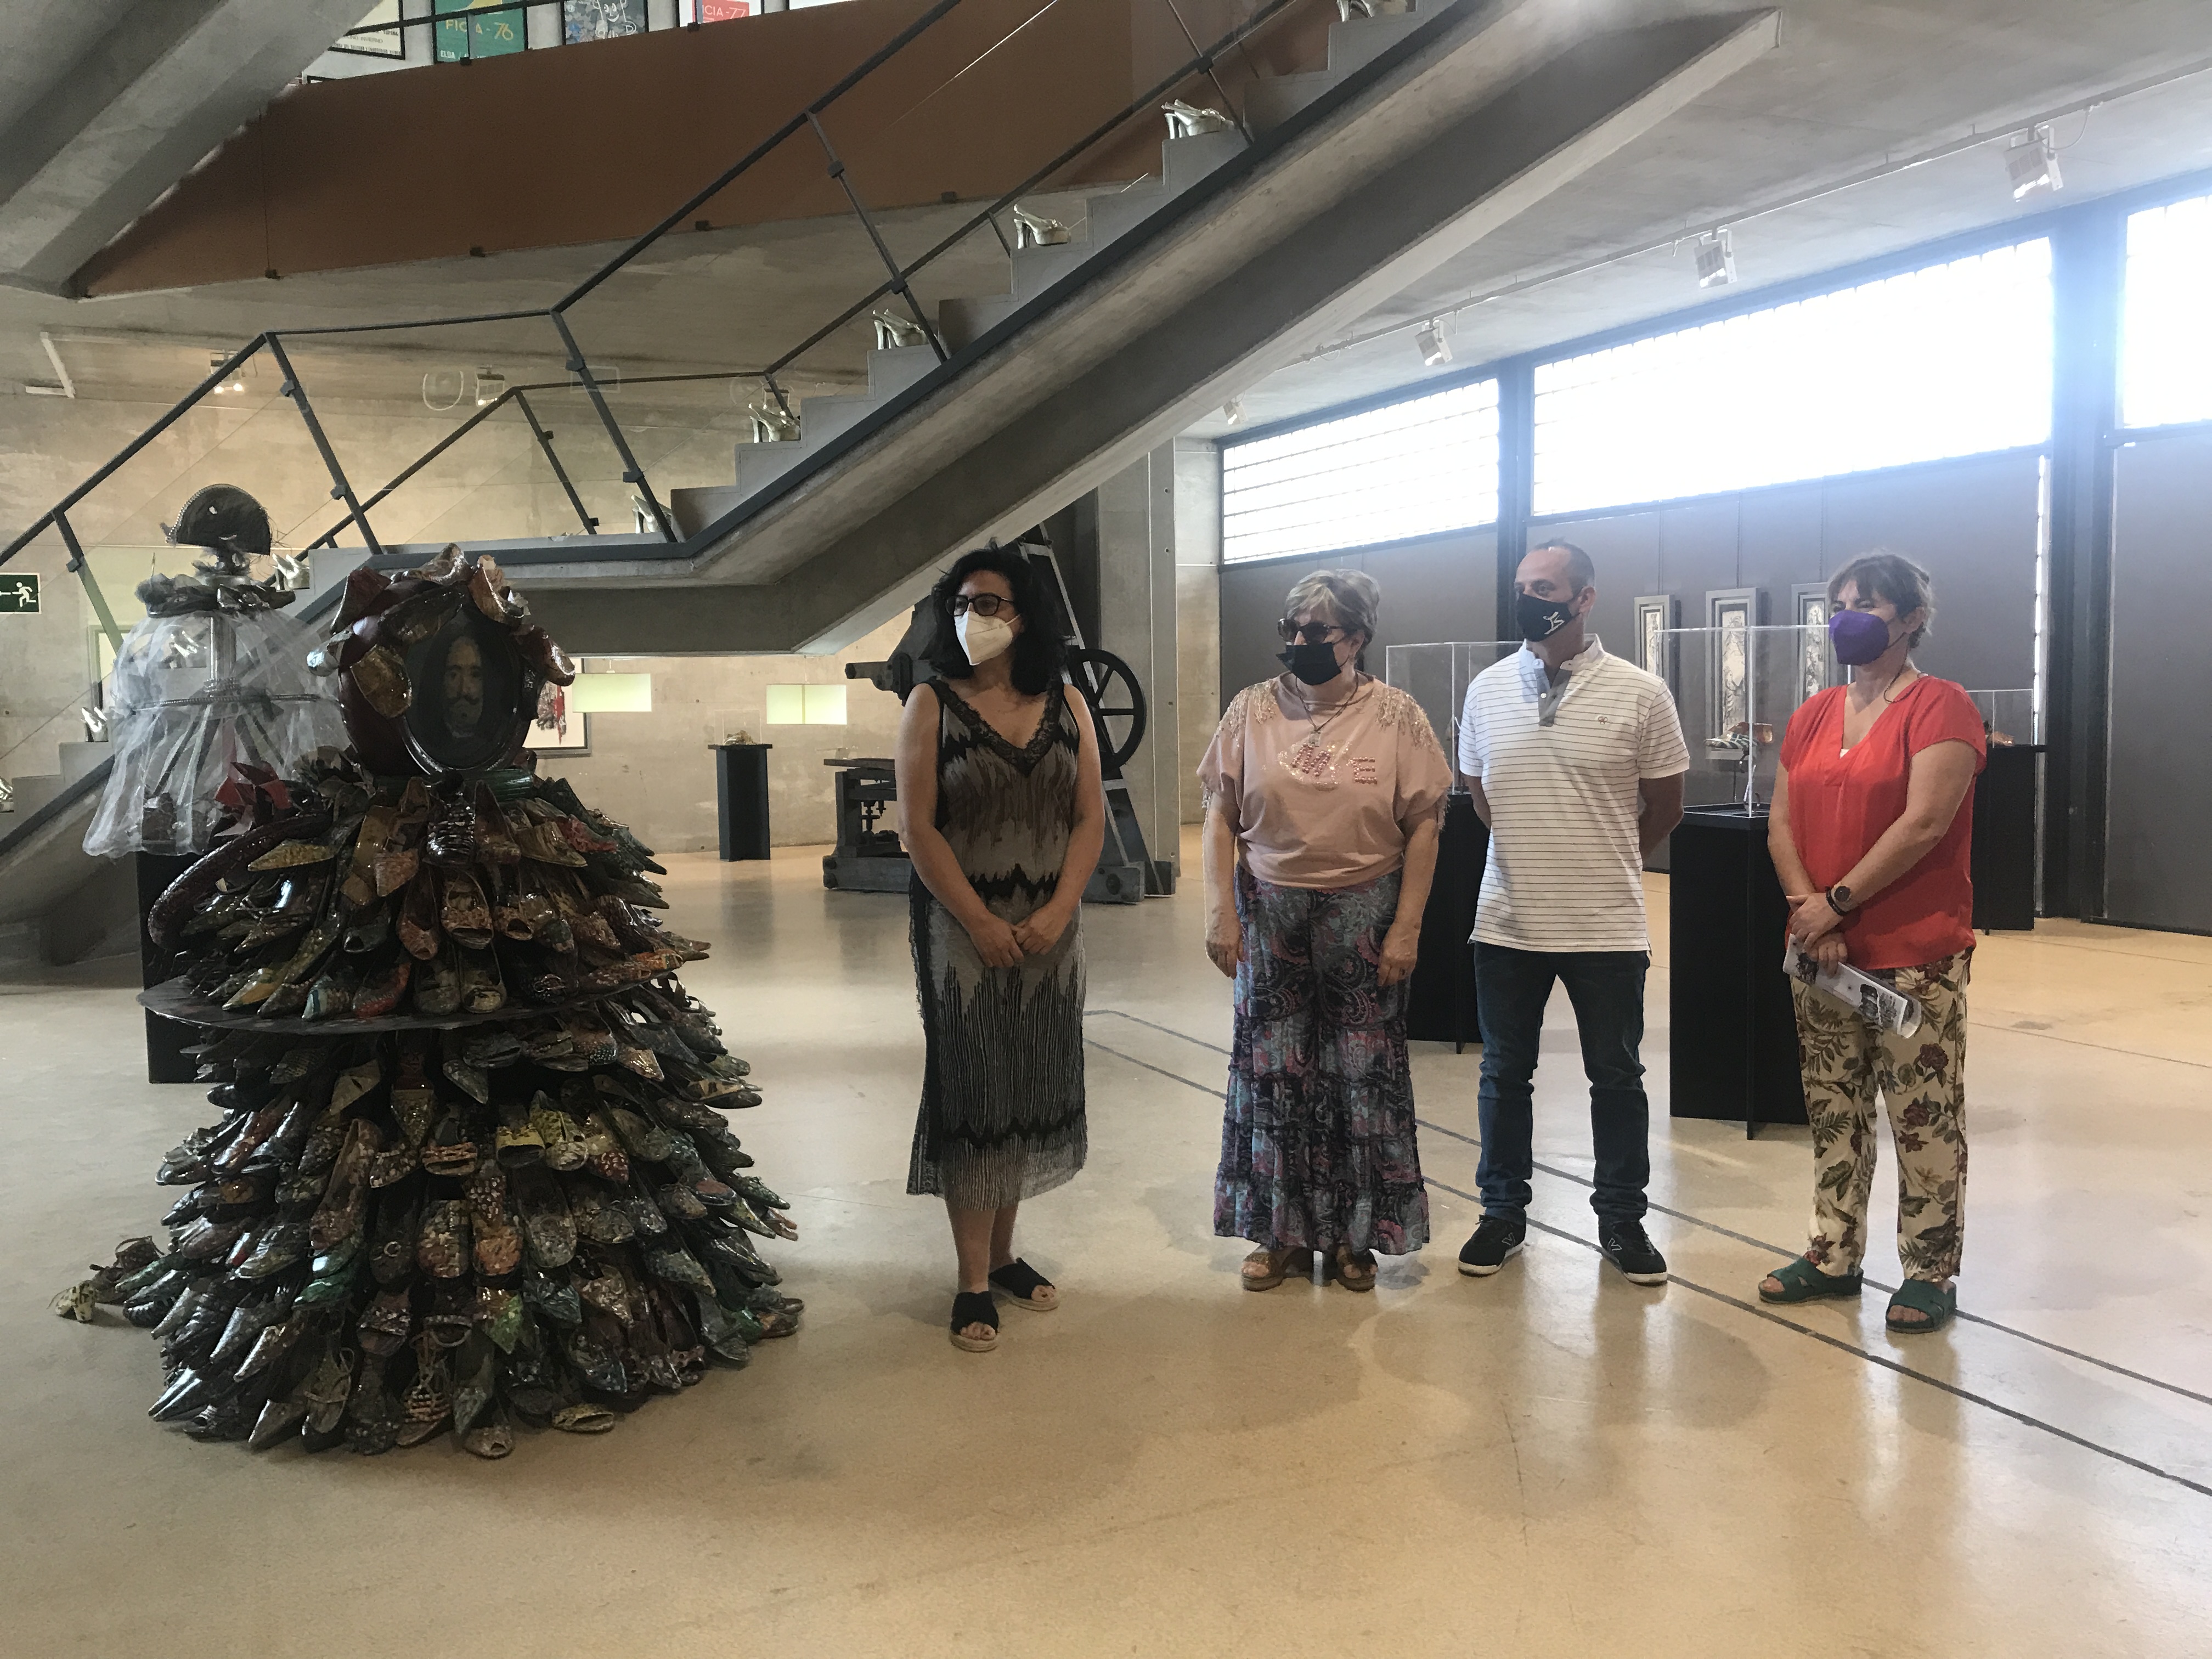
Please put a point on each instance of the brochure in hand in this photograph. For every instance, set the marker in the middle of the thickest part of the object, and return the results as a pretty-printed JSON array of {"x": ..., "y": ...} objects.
[{"x": 1875, "y": 1003}]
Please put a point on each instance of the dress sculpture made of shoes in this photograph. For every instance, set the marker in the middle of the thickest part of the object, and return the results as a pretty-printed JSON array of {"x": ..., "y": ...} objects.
[{"x": 472, "y": 1167}]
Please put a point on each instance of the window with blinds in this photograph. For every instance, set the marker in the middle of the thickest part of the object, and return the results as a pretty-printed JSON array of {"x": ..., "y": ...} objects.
[
  {"x": 2166, "y": 327},
  {"x": 1954, "y": 359},
  {"x": 1415, "y": 468}
]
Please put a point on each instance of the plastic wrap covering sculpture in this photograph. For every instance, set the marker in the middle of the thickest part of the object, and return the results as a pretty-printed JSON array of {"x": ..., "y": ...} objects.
[{"x": 213, "y": 678}]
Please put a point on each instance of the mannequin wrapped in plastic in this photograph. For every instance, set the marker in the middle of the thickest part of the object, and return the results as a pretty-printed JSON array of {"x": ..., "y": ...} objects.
[{"x": 214, "y": 677}]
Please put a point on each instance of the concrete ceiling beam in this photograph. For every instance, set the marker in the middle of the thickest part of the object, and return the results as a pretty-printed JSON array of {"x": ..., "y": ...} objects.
[{"x": 143, "y": 106}]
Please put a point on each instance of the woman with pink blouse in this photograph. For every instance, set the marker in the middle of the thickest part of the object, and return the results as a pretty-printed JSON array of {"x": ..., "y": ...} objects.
[{"x": 1324, "y": 791}]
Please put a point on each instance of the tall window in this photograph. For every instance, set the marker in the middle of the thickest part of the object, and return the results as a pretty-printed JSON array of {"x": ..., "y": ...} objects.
[
  {"x": 1951, "y": 360},
  {"x": 1384, "y": 475},
  {"x": 2166, "y": 340}
]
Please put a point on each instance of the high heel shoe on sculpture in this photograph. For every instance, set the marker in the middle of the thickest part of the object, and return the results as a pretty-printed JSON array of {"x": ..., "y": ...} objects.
[{"x": 472, "y": 1167}]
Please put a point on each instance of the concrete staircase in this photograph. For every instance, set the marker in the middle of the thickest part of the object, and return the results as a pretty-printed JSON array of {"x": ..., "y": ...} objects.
[
  {"x": 1109, "y": 216},
  {"x": 1427, "y": 130}
]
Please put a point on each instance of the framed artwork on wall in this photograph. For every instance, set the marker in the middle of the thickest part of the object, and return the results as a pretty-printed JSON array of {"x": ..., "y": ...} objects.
[
  {"x": 385, "y": 42},
  {"x": 461, "y": 39},
  {"x": 1656, "y": 615},
  {"x": 601, "y": 19},
  {"x": 1816, "y": 669},
  {"x": 1733, "y": 613}
]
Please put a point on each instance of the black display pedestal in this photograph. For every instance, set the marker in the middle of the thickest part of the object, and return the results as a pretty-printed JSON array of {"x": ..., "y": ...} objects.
[
  {"x": 1733, "y": 1050},
  {"x": 1440, "y": 1000},
  {"x": 165, "y": 1039},
  {"x": 741, "y": 790},
  {"x": 2003, "y": 858}
]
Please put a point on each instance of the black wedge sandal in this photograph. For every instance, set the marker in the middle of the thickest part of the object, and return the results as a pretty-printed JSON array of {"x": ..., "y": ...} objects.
[
  {"x": 974, "y": 1308},
  {"x": 1019, "y": 1283}
]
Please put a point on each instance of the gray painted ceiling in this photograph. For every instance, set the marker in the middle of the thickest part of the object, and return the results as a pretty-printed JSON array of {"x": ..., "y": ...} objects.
[{"x": 1855, "y": 87}]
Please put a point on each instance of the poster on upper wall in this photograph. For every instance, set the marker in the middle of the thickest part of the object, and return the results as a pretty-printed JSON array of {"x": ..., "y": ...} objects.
[
  {"x": 715, "y": 11},
  {"x": 492, "y": 36},
  {"x": 376, "y": 42},
  {"x": 601, "y": 19}
]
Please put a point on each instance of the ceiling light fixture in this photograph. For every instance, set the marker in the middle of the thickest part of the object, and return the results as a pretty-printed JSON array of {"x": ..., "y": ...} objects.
[
  {"x": 2033, "y": 161},
  {"x": 1432, "y": 341},
  {"x": 234, "y": 381},
  {"x": 1232, "y": 412},
  {"x": 490, "y": 384},
  {"x": 1715, "y": 256}
]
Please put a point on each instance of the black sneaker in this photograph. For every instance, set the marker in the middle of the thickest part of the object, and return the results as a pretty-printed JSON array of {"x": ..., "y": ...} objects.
[
  {"x": 1628, "y": 1248},
  {"x": 1498, "y": 1238}
]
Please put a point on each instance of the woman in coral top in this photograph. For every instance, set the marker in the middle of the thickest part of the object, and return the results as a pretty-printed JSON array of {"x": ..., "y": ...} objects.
[{"x": 1872, "y": 827}]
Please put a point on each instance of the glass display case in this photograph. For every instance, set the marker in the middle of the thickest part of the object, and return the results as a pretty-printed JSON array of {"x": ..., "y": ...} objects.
[
  {"x": 2009, "y": 716},
  {"x": 1734, "y": 688},
  {"x": 1437, "y": 676}
]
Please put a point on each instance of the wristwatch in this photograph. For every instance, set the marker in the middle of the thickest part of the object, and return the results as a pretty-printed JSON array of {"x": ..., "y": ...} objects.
[{"x": 1839, "y": 899}]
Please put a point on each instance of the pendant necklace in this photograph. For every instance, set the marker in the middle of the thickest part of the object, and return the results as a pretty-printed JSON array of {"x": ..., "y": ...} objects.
[{"x": 1312, "y": 761}]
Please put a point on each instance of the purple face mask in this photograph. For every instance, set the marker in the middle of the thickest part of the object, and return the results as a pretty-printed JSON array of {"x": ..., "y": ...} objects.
[{"x": 1859, "y": 637}]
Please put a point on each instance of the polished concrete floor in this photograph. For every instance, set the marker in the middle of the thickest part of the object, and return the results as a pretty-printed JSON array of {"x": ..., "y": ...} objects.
[{"x": 1552, "y": 1462}]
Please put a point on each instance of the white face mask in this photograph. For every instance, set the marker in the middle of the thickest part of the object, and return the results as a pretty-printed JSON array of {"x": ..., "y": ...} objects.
[{"x": 983, "y": 637}]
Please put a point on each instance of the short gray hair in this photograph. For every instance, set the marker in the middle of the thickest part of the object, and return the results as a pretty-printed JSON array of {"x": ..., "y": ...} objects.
[
  {"x": 1580, "y": 571},
  {"x": 1350, "y": 600}
]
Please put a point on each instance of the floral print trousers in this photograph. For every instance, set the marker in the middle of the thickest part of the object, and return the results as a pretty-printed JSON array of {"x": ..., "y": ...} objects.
[
  {"x": 1922, "y": 1080},
  {"x": 1318, "y": 1142}
]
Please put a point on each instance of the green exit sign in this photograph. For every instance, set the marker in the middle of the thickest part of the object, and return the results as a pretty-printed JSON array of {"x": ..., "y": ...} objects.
[{"x": 19, "y": 594}]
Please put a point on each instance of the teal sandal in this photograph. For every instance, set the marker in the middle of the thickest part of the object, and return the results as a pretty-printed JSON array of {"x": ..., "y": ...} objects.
[
  {"x": 1803, "y": 1282},
  {"x": 1938, "y": 1302}
]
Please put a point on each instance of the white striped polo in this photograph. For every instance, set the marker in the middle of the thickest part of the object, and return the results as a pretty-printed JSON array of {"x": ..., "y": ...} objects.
[{"x": 1560, "y": 768}]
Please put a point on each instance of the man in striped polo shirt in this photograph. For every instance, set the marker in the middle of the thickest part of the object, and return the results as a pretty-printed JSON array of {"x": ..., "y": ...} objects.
[{"x": 1575, "y": 759}]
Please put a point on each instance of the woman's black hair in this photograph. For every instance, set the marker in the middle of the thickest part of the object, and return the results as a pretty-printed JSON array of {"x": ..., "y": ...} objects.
[{"x": 1039, "y": 650}]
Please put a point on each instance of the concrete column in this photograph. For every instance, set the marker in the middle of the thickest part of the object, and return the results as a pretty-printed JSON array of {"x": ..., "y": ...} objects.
[
  {"x": 1136, "y": 529},
  {"x": 1198, "y": 610}
]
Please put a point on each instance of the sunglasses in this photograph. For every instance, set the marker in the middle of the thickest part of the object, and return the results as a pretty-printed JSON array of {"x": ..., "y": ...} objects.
[
  {"x": 1312, "y": 633},
  {"x": 984, "y": 604}
]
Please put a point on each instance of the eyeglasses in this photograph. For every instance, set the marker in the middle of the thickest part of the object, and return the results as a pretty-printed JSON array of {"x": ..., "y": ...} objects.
[
  {"x": 1312, "y": 633},
  {"x": 984, "y": 604}
]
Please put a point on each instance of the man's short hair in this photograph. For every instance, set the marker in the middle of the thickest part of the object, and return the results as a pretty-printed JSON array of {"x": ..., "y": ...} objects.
[{"x": 1580, "y": 571}]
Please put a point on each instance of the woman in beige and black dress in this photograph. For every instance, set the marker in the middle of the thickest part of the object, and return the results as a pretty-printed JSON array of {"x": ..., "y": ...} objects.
[{"x": 1004, "y": 814}]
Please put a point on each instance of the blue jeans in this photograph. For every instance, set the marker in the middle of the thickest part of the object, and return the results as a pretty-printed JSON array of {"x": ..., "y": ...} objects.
[{"x": 1607, "y": 989}]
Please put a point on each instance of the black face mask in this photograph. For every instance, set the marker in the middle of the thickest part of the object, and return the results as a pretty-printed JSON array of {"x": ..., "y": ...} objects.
[
  {"x": 1315, "y": 664},
  {"x": 1538, "y": 619}
]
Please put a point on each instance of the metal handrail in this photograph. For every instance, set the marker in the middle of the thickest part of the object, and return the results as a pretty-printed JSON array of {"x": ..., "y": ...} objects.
[{"x": 579, "y": 367}]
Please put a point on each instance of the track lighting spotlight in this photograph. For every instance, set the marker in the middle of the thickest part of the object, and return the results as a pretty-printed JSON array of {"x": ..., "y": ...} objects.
[
  {"x": 1716, "y": 256},
  {"x": 490, "y": 384},
  {"x": 1433, "y": 342},
  {"x": 1232, "y": 412},
  {"x": 2033, "y": 161},
  {"x": 234, "y": 381}
]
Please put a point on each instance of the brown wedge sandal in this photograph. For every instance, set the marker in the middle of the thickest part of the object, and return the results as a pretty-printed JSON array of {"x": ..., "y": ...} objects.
[
  {"x": 1353, "y": 1269},
  {"x": 1275, "y": 1266}
]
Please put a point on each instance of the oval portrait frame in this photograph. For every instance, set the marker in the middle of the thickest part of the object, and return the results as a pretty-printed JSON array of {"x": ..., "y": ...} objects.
[{"x": 473, "y": 697}]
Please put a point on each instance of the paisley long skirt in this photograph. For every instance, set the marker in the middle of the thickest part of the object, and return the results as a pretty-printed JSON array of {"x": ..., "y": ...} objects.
[{"x": 1317, "y": 1144}]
